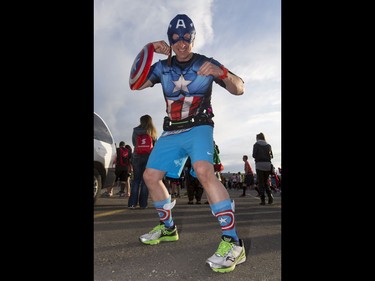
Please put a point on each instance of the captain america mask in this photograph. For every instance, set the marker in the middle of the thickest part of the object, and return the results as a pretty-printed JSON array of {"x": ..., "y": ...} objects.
[{"x": 181, "y": 27}]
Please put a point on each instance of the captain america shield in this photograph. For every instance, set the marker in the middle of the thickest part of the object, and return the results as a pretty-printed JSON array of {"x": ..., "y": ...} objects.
[{"x": 141, "y": 66}]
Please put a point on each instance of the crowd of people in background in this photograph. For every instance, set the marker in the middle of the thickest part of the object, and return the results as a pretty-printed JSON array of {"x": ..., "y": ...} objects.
[
  {"x": 187, "y": 185},
  {"x": 131, "y": 164}
]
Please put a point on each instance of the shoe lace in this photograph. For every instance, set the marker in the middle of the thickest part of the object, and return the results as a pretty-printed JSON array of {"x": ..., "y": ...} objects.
[
  {"x": 224, "y": 248},
  {"x": 157, "y": 228}
]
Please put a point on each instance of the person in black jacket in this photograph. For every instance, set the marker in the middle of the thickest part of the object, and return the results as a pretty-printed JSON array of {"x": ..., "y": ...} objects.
[
  {"x": 193, "y": 186},
  {"x": 262, "y": 154}
]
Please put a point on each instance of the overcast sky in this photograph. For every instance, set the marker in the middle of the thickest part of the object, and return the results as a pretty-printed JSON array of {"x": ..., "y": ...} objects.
[{"x": 244, "y": 35}]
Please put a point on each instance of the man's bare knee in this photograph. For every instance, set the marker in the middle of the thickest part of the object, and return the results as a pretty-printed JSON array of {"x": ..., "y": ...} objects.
[{"x": 152, "y": 176}]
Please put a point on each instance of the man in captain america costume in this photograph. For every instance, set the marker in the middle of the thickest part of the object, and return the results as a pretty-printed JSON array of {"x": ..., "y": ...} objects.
[{"x": 186, "y": 79}]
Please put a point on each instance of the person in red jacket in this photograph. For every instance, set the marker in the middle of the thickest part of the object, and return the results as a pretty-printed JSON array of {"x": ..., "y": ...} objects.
[
  {"x": 121, "y": 170},
  {"x": 139, "y": 189},
  {"x": 249, "y": 177}
]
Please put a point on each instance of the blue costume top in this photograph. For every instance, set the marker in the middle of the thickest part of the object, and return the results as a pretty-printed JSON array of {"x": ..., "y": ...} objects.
[{"x": 186, "y": 93}]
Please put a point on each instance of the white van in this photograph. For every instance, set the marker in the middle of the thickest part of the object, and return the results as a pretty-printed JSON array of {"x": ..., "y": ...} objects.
[{"x": 104, "y": 156}]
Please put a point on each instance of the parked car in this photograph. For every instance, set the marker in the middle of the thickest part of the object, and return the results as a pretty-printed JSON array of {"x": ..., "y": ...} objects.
[{"x": 104, "y": 156}]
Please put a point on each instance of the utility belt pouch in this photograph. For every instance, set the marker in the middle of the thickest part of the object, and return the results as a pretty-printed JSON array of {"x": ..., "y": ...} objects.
[{"x": 186, "y": 123}]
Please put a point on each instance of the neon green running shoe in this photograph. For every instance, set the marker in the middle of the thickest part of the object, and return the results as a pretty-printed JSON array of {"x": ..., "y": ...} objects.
[
  {"x": 159, "y": 234},
  {"x": 228, "y": 255}
]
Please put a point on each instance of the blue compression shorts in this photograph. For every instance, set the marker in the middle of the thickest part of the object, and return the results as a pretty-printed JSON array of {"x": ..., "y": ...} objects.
[{"x": 171, "y": 151}]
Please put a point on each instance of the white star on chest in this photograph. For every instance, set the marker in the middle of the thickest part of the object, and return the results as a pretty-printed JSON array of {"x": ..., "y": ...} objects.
[
  {"x": 222, "y": 220},
  {"x": 181, "y": 84}
]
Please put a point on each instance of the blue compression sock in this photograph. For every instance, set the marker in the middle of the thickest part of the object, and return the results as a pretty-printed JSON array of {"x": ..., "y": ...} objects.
[
  {"x": 164, "y": 209},
  {"x": 224, "y": 211}
]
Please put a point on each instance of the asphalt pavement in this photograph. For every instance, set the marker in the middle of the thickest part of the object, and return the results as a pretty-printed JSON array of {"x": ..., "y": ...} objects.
[{"x": 119, "y": 256}]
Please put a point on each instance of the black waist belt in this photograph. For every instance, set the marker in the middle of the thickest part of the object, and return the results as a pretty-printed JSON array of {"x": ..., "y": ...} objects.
[{"x": 186, "y": 123}]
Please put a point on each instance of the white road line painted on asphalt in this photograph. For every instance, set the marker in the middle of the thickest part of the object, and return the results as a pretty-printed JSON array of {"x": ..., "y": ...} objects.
[{"x": 108, "y": 213}]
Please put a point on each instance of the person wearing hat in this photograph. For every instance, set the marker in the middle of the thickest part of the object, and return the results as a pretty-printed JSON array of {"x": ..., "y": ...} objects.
[{"x": 186, "y": 80}]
